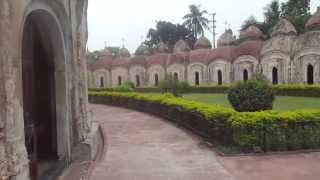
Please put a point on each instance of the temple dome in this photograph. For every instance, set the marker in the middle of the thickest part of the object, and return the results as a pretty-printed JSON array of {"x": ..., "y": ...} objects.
[
  {"x": 124, "y": 52},
  {"x": 251, "y": 32},
  {"x": 162, "y": 47},
  {"x": 283, "y": 27},
  {"x": 105, "y": 52},
  {"x": 226, "y": 38},
  {"x": 202, "y": 43},
  {"x": 314, "y": 21},
  {"x": 181, "y": 46},
  {"x": 142, "y": 50}
]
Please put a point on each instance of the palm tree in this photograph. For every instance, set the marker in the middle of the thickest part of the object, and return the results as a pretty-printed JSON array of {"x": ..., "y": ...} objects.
[{"x": 195, "y": 20}]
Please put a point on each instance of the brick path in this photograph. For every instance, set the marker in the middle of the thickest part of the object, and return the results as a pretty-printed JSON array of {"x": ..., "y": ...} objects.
[{"x": 144, "y": 147}]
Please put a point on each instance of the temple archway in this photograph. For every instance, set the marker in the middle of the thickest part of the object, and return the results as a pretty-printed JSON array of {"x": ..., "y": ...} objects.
[
  {"x": 245, "y": 75},
  {"x": 156, "y": 80},
  {"x": 44, "y": 93},
  {"x": 101, "y": 82},
  {"x": 219, "y": 77},
  {"x": 119, "y": 80},
  {"x": 310, "y": 74},
  {"x": 137, "y": 81},
  {"x": 274, "y": 75},
  {"x": 197, "y": 79}
]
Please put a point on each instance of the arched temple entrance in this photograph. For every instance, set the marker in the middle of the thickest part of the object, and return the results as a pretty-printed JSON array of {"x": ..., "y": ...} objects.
[
  {"x": 44, "y": 94},
  {"x": 274, "y": 75},
  {"x": 219, "y": 77},
  {"x": 156, "y": 80},
  {"x": 101, "y": 82},
  {"x": 137, "y": 81},
  {"x": 119, "y": 80},
  {"x": 310, "y": 74},
  {"x": 197, "y": 79},
  {"x": 245, "y": 75}
]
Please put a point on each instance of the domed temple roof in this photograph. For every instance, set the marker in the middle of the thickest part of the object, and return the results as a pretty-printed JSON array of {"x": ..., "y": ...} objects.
[
  {"x": 181, "y": 46},
  {"x": 225, "y": 53},
  {"x": 199, "y": 56},
  {"x": 178, "y": 58},
  {"x": 138, "y": 60},
  {"x": 142, "y": 50},
  {"x": 226, "y": 38},
  {"x": 314, "y": 21},
  {"x": 105, "y": 52},
  {"x": 120, "y": 62},
  {"x": 283, "y": 27},
  {"x": 157, "y": 59},
  {"x": 251, "y": 32},
  {"x": 202, "y": 43},
  {"x": 104, "y": 62},
  {"x": 162, "y": 48},
  {"x": 124, "y": 52}
]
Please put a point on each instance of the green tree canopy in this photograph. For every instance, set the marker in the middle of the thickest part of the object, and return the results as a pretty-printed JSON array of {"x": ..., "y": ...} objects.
[
  {"x": 272, "y": 13},
  {"x": 195, "y": 20},
  {"x": 297, "y": 12},
  {"x": 168, "y": 33}
]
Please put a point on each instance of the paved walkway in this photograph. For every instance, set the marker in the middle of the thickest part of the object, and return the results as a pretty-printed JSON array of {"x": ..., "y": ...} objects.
[{"x": 144, "y": 147}]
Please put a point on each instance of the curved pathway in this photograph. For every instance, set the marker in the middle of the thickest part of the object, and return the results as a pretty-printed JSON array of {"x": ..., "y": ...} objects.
[{"x": 144, "y": 147}]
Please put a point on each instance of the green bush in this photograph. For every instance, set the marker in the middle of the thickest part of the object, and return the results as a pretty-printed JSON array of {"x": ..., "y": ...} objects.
[
  {"x": 279, "y": 90},
  {"x": 170, "y": 85},
  {"x": 129, "y": 84},
  {"x": 267, "y": 130},
  {"x": 123, "y": 88},
  {"x": 253, "y": 95}
]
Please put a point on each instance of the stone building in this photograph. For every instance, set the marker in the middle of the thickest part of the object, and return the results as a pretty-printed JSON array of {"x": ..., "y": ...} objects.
[
  {"x": 43, "y": 89},
  {"x": 284, "y": 58}
]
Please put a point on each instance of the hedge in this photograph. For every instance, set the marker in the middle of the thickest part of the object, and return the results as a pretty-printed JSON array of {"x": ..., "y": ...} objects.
[
  {"x": 279, "y": 90},
  {"x": 248, "y": 131}
]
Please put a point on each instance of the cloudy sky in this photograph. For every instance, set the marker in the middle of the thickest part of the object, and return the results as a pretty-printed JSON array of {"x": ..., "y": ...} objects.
[{"x": 112, "y": 22}]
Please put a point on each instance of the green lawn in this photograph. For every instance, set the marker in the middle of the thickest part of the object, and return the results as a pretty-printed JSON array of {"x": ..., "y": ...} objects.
[{"x": 282, "y": 103}]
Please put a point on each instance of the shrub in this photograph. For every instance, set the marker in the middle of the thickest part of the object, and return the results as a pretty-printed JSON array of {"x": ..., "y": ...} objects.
[
  {"x": 123, "y": 88},
  {"x": 170, "y": 85},
  {"x": 265, "y": 130},
  {"x": 129, "y": 84},
  {"x": 253, "y": 95}
]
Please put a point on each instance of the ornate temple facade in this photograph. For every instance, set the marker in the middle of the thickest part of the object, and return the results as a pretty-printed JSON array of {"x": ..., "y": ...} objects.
[
  {"x": 43, "y": 89},
  {"x": 284, "y": 58}
]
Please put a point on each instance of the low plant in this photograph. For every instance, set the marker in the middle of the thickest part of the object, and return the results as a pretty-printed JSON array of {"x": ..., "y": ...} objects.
[
  {"x": 255, "y": 94},
  {"x": 171, "y": 85}
]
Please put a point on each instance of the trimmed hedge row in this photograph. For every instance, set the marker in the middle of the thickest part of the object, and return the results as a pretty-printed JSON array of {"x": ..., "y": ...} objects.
[
  {"x": 279, "y": 90},
  {"x": 250, "y": 132}
]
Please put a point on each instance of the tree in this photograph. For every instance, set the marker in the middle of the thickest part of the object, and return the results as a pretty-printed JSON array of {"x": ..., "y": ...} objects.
[
  {"x": 272, "y": 14},
  {"x": 168, "y": 33},
  {"x": 248, "y": 22},
  {"x": 195, "y": 20},
  {"x": 297, "y": 12}
]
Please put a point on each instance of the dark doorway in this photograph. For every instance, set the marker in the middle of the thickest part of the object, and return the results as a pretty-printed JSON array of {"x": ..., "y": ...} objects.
[
  {"x": 101, "y": 82},
  {"x": 156, "y": 80},
  {"x": 219, "y": 77},
  {"x": 245, "y": 75},
  {"x": 197, "y": 82},
  {"x": 310, "y": 75},
  {"x": 119, "y": 81},
  {"x": 274, "y": 75},
  {"x": 175, "y": 76},
  {"x": 137, "y": 81},
  {"x": 39, "y": 97}
]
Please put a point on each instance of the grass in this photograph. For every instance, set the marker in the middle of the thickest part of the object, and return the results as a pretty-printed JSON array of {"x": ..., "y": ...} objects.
[{"x": 282, "y": 103}]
